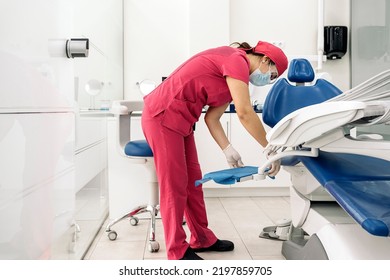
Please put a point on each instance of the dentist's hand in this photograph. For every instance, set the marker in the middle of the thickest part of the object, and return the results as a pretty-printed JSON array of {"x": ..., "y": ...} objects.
[
  {"x": 232, "y": 156},
  {"x": 275, "y": 166}
]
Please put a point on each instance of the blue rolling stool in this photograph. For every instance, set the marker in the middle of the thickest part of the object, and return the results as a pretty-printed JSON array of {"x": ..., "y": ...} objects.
[{"x": 138, "y": 152}]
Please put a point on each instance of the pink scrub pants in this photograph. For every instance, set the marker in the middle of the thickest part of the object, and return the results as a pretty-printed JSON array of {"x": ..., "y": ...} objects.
[{"x": 177, "y": 168}]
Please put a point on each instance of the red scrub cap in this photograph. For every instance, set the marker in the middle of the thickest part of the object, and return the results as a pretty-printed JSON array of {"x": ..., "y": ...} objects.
[{"x": 274, "y": 53}]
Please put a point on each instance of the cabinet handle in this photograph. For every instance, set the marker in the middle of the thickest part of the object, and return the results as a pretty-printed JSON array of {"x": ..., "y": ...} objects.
[{"x": 227, "y": 129}]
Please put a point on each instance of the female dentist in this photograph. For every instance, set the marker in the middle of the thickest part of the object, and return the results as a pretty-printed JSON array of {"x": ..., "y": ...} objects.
[{"x": 215, "y": 78}]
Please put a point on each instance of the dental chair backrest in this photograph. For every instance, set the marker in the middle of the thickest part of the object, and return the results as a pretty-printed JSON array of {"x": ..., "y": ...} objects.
[{"x": 284, "y": 97}]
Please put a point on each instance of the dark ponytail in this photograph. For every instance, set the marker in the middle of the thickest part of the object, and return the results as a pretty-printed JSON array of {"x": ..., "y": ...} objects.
[
  {"x": 246, "y": 47},
  {"x": 243, "y": 45}
]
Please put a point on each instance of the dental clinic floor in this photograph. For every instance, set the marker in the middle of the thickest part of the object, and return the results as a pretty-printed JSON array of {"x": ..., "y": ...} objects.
[{"x": 238, "y": 219}]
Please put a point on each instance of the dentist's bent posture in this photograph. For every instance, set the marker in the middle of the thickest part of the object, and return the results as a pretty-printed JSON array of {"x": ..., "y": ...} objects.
[{"x": 214, "y": 77}]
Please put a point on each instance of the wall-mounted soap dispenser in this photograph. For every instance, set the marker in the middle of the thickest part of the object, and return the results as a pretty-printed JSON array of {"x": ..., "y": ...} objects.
[{"x": 335, "y": 41}]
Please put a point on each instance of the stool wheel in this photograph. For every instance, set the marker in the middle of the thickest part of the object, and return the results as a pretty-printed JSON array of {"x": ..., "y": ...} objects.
[
  {"x": 112, "y": 235},
  {"x": 134, "y": 221},
  {"x": 153, "y": 246}
]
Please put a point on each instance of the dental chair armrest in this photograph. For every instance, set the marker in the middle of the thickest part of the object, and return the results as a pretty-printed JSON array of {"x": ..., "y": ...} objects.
[{"x": 125, "y": 107}]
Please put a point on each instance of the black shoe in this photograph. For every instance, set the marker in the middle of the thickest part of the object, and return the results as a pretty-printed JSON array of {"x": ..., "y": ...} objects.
[
  {"x": 190, "y": 255},
  {"x": 219, "y": 246}
]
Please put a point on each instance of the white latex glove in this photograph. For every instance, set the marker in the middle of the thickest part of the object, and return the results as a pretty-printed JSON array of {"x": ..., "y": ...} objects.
[
  {"x": 275, "y": 166},
  {"x": 232, "y": 156}
]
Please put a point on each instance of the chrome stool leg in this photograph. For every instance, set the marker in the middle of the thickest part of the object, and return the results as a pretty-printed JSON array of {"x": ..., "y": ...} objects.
[{"x": 153, "y": 245}]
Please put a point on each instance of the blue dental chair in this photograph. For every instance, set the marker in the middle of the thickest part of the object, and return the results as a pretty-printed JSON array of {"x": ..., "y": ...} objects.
[
  {"x": 340, "y": 191},
  {"x": 137, "y": 152},
  {"x": 356, "y": 210}
]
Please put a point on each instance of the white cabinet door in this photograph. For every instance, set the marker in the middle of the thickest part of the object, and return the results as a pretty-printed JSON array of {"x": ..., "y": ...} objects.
[
  {"x": 91, "y": 149},
  {"x": 36, "y": 183},
  {"x": 252, "y": 154},
  {"x": 211, "y": 158}
]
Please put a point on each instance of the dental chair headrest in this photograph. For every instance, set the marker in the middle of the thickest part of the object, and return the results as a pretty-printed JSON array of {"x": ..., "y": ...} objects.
[
  {"x": 300, "y": 71},
  {"x": 284, "y": 97}
]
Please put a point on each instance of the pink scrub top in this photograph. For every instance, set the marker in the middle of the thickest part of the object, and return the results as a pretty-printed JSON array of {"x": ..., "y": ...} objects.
[{"x": 198, "y": 82}]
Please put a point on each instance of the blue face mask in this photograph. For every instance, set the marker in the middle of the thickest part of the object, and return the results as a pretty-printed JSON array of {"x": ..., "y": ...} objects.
[{"x": 260, "y": 79}]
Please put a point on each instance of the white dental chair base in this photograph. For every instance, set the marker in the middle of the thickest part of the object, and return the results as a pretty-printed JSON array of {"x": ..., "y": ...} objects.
[
  {"x": 278, "y": 232},
  {"x": 330, "y": 234}
]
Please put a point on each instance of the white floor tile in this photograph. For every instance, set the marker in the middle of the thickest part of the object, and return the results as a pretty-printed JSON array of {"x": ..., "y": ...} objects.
[{"x": 238, "y": 219}]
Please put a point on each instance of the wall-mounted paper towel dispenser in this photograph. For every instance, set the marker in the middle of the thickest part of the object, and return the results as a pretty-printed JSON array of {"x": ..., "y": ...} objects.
[{"x": 335, "y": 41}]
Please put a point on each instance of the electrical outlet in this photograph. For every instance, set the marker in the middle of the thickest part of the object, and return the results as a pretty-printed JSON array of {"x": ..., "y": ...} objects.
[{"x": 279, "y": 44}]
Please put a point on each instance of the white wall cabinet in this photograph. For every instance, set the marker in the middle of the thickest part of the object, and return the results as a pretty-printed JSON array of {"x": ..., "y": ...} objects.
[
  {"x": 91, "y": 184},
  {"x": 91, "y": 148}
]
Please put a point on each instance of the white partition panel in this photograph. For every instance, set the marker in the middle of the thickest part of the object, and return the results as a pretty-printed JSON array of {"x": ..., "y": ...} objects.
[{"x": 36, "y": 127}]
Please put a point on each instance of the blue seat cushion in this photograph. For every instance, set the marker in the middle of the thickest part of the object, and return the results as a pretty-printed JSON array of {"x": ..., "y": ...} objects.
[
  {"x": 360, "y": 184},
  {"x": 366, "y": 202},
  {"x": 138, "y": 148}
]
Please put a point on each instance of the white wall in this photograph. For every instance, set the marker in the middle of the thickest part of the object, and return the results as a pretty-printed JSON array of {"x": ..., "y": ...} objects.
[
  {"x": 160, "y": 35},
  {"x": 155, "y": 40},
  {"x": 371, "y": 25},
  {"x": 101, "y": 21},
  {"x": 295, "y": 25}
]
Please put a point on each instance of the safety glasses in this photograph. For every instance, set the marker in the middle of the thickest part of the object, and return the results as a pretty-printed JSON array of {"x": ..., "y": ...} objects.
[{"x": 273, "y": 71}]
